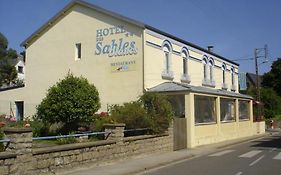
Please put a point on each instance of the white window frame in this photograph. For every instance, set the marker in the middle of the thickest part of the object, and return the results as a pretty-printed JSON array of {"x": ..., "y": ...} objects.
[
  {"x": 185, "y": 78},
  {"x": 224, "y": 84},
  {"x": 78, "y": 51}
]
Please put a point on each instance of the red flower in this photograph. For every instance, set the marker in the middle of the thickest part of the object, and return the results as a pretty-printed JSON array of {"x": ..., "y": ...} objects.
[{"x": 2, "y": 124}]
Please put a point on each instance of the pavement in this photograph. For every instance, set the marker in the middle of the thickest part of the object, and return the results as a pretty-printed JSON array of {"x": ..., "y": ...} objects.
[{"x": 141, "y": 164}]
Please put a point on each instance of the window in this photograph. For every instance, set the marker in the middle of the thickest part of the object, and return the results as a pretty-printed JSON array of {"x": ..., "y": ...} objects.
[
  {"x": 244, "y": 111},
  {"x": 227, "y": 109},
  {"x": 78, "y": 51},
  {"x": 185, "y": 55},
  {"x": 20, "y": 69},
  {"x": 224, "y": 85},
  {"x": 233, "y": 87},
  {"x": 211, "y": 65},
  {"x": 205, "y": 68},
  {"x": 167, "y": 72},
  {"x": 205, "y": 109}
]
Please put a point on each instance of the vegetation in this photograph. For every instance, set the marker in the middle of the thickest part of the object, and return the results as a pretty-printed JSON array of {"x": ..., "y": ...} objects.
[
  {"x": 152, "y": 111},
  {"x": 8, "y": 73},
  {"x": 272, "y": 78},
  {"x": 71, "y": 101}
]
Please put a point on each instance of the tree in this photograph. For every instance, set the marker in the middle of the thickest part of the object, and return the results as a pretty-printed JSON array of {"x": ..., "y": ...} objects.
[
  {"x": 8, "y": 72},
  {"x": 272, "y": 102},
  {"x": 71, "y": 101},
  {"x": 272, "y": 78}
]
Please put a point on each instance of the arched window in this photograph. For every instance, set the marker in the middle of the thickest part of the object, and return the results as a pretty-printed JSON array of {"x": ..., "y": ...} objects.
[
  {"x": 167, "y": 49},
  {"x": 185, "y": 56},
  {"x": 211, "y": 68},
  {"x": 205, "y": 67},
  {"x": 223, "y": 67},
  {"x": 232, "y": 76}
]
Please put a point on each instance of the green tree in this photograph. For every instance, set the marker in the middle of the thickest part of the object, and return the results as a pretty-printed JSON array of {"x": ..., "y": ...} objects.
[
  {"x": 71, "y": 101},
  {"x": 272, "y": 102},
  {"x": 273, "y": 77},
  {"x": 8, "y": 73}
]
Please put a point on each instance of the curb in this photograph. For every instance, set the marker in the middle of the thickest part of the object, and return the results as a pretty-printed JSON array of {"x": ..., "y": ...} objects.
[{"x": 159, "y": 165}]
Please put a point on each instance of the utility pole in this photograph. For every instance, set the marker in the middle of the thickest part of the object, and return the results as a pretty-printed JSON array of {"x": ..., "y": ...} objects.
[{"x": 256, "y": 56}]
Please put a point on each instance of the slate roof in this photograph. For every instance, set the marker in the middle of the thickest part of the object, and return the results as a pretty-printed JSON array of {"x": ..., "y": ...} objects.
[{"x": 182, "y": 87}]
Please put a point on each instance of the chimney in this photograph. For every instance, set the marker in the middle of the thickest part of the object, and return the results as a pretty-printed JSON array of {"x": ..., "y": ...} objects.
[{"x": 210, "y": 48}]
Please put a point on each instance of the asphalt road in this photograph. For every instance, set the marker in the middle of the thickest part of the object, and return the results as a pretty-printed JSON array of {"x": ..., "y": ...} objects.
[{"x": 259, "y": 157}]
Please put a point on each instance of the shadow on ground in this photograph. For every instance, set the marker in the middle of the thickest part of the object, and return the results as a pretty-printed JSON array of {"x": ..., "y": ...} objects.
[{"x": 268, "y": 142}]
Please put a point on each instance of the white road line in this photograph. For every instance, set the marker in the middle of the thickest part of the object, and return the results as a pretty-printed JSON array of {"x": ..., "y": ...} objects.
[
  {"x": 221, "y": 153},
  {"x": 273, "y": 149},
  {"x": 277, "y": 157},
  {"x": 239, "y": 173},
  {"x": 250, "y": 154},
  {"x": 256, "y": 161}
]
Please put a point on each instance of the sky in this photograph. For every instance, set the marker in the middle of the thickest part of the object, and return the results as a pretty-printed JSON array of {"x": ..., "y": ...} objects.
[{"x": 234, "y": 27}]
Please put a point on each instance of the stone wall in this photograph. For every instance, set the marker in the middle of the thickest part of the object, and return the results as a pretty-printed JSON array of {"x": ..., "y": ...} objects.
[{"x": 50, "y": 160}]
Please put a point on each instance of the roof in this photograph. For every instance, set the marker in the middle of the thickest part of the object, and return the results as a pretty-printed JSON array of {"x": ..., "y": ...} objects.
[
  {"x": 253, "y": 78},
  {"x": 50, "y": 22},
  {"x": 182, "y": 87}
]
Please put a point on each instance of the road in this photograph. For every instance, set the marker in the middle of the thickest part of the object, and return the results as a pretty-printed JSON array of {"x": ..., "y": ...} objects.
[{"x": 257, "y": 157}]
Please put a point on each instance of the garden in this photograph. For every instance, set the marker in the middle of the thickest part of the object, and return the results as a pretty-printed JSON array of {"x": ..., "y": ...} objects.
[{"x": 70, "y": 109}]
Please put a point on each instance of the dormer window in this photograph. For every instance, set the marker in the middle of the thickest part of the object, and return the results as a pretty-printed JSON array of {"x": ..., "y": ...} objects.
[
  {"x": 185, "y": 56},
  {"x": 167, "y": 73}
]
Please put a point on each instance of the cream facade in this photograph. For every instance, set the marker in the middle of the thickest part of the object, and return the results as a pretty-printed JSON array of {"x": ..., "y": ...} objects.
[{"x": 124, "y": 58}]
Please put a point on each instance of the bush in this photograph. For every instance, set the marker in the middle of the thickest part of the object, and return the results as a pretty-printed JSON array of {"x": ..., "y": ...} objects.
[
  {"x": 71, "y": 101},
  {"x": 132, "y": 114},
  {"x": 159, "y": 109},
  {"x": 152, "y": 111}
]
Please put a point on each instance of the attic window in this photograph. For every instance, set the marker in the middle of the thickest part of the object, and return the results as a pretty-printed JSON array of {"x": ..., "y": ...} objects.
[
  {"x": 20, "y": 69},
  {"x": 78, "y": 51}
]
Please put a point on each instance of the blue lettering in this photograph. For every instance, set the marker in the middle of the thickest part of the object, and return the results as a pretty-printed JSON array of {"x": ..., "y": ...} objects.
[{"x": 98, "y": 48}]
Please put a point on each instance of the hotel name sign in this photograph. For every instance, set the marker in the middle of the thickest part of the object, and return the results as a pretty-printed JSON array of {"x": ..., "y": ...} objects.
[{"x": 121, "y": 46}]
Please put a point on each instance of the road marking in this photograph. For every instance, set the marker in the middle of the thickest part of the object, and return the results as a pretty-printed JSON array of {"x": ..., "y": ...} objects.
[
  {"x": 278, "y": 157},
  {"x": 221, "y": 153},
  {"x": 273, "y": 149},
  {"x": 239, "y": 173},
  {"x": 256, "y": 161},
  {"x": 250, "y": 154}
]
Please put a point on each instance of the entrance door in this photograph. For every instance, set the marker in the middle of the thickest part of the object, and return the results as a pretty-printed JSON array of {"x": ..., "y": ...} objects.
[
  {"x": 19, "y": 112},
  {"x": 180, "y": 136}
]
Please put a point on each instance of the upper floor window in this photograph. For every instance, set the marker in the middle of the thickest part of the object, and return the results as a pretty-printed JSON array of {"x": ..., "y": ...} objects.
[
  {"x": 224, "y": 85},
  {"x": 20, "y": 69},
  {"x": 185, "y": 55},
  {"x": 211, "y": 65},
  {"x": 167, "y": 49},
  {"x": 205, "y": 68},
  {"x": 233, "y": 87},
  {"x": 78, "y": 51}
]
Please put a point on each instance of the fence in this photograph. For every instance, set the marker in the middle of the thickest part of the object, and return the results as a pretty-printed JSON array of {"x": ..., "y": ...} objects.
[{"x": 21, "y": 158}]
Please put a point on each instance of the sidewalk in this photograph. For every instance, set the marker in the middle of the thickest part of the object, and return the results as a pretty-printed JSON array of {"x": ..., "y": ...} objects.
[{"x": 141, "y": 164}]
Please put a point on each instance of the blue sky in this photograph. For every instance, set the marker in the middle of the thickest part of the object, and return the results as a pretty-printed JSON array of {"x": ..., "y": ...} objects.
[{"x": 233, "y": 27}]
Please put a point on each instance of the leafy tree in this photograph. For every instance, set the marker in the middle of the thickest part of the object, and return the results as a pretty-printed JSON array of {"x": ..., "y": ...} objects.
[
  {"x": 273, "y": 77},
  {"x": 8, "y": 73},
  {"x": 71, "y": 101},
  {"x": 272, "y": 102},
  {"x": 159, "y": 109}
]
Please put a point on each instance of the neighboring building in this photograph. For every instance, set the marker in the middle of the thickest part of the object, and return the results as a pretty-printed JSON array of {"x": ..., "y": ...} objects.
[
  {"x": 19, "y": 64},
  {"x": 124, "y": 58},
  {"x": 251, "y": 80}
]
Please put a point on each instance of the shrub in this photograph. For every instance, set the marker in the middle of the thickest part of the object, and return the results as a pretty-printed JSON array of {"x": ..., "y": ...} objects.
[
  {"x": 71, "y": 101},
  {"x": 152, "y": 111},
  {"x": 132, "y": 114},
  {"x": 159, "y": 109}
]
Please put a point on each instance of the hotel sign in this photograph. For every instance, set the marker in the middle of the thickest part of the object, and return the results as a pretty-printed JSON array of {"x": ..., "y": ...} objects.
[{"x": 121, "y": 46}]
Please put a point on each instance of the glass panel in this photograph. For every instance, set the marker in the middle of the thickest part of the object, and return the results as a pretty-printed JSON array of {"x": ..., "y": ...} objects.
[
  {"x": 184, "y": 66},
  {"x": 167, "y": 61},
  {"x": 244, "y": 112},
  {"x": 227, "y": 108},
  {"x": 205, "y": 111}
]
